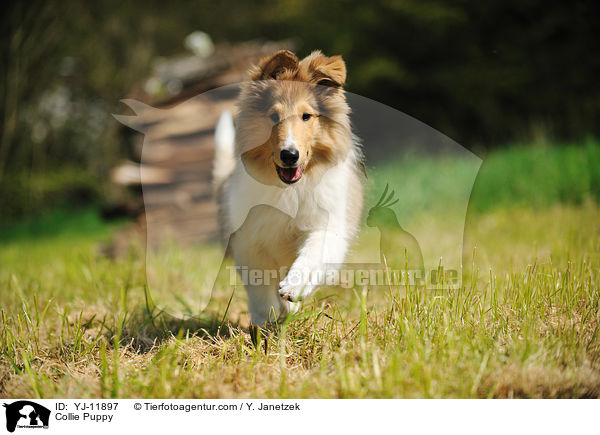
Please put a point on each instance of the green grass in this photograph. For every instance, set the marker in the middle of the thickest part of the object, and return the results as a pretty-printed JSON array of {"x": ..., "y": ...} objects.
[
  {"x": 61, "y": 223},
  {"x": 525, "y": 323},
  {"x": 531, "y": 176},
  {"x": 539, "y": 176}
]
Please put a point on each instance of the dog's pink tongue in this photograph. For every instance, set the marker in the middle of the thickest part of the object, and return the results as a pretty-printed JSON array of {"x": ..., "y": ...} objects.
[{"x": 291, "y": 174}]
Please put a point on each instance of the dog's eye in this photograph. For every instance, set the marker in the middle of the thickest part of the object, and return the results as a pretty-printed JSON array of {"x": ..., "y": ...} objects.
[
  {"x": 274, "y": 117},
  {"x": 306, "y": 116}
]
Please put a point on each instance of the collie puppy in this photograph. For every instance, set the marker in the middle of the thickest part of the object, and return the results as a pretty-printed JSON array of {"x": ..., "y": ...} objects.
[{"x": 288, "y": 180}]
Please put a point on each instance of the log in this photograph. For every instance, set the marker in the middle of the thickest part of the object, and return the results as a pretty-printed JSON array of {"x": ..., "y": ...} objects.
[{"x": 174, "y": 167}]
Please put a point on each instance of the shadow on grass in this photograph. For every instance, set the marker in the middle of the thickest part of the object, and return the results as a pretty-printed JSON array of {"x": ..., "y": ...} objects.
[{"x": 145, "y": 329}]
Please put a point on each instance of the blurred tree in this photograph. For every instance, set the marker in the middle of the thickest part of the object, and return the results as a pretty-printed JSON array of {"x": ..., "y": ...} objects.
[{"x": 484, "y": 73}]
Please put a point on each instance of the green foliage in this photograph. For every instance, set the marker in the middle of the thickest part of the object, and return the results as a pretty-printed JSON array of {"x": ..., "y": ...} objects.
[
  {"x": 482, "y": 73},
  {"x": 27, "y": 194}
]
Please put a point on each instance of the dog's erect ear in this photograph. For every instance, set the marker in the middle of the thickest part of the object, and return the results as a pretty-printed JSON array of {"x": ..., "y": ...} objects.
[
  {"x": 327, "y": 71},
  {"x": 272, "y": 66}
]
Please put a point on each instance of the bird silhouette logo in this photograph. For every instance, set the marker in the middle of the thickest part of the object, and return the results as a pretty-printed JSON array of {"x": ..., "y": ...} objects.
[{"x": 399, "y": 250}]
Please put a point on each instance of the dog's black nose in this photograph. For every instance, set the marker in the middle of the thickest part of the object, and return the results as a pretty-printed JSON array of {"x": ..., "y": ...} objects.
[{"x": 289, "y": 157}]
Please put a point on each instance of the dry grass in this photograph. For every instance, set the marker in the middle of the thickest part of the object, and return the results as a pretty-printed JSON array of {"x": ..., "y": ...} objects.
[{"x": 75, "y": 324}]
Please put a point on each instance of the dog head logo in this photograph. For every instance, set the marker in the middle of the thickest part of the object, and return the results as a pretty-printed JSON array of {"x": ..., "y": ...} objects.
[{"x": 26, "y": 414}]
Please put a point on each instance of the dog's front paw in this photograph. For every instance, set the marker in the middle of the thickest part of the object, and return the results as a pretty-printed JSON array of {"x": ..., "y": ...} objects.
[{"x": 295, "y": 287}]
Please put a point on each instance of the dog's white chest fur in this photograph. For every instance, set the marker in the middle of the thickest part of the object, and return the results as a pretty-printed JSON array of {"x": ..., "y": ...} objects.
[{"x": 270, "y": 223}]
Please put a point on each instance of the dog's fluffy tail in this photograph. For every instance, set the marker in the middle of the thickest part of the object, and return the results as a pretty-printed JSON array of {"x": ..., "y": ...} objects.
[{"x": 224, "y": 143}]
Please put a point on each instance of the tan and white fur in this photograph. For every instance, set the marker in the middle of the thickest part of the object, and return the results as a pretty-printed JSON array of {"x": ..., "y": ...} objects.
[{"x": 287, "y": 178}]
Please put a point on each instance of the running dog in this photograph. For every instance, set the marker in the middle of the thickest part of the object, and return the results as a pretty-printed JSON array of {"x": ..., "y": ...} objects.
[{"x": 288, "y": 179}]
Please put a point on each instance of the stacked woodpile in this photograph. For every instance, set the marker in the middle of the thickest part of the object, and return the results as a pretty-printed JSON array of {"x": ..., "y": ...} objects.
[{"x": 173, "y": 159}]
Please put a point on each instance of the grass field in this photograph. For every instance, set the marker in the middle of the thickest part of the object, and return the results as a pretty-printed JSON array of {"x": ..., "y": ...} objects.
[{"x": 525, "y": 323}]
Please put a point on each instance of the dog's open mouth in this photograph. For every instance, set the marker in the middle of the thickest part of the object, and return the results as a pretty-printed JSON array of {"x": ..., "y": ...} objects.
[{"x": 289, "y": 175}]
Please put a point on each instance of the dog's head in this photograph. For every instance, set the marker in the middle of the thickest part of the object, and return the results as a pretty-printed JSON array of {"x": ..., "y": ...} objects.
[{"x": 293, "y": 117}]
